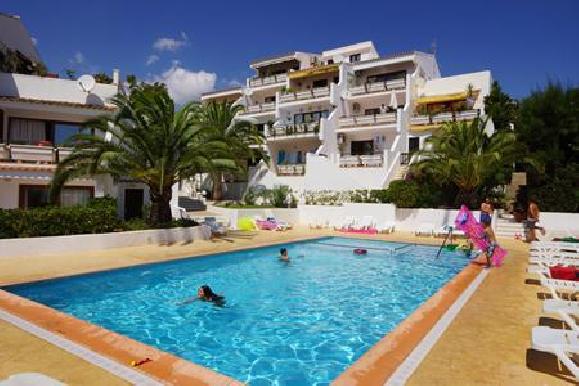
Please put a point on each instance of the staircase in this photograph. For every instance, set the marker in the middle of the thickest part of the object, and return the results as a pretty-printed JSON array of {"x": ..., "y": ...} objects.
[
  {"x": 191, "y": 204},
  {"x": 400, "y": 172},
  {"x": 506, "y": 227}
]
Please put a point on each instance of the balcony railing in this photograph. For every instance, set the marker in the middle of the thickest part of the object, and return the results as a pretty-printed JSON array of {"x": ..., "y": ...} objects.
[
  {"x": 314, "y": 93},
  {"x": 366, "y": 88},
  {"x": 260, "y": 108},
  {"x": 267, "y": 80},
  {"x": 361, "y": 161},
  {"x": 291, "y": 170},
  {"x": 368, "y": 120},
  {"x": 310, "y": 129},
  {"x": 33, "y": 154},
  {"x": 444, "y": 117}
]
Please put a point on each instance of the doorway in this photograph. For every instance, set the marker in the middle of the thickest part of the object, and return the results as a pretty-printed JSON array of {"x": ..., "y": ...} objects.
[
  {"x": 413, "y": 144},
  {"x": 134, "y": 200}
]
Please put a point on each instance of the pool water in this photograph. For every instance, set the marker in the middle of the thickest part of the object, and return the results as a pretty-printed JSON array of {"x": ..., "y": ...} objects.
[{"x": 301, "y": 323}]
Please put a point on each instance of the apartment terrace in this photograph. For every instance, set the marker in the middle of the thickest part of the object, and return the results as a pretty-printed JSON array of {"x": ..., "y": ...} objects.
[
  {"x": 367, "y": 120},
  {"x": 260, "y": 108},
  {"x": 291, "y": 170},
  {"x": 301, "y": 130},
  {"x": 375, "y": 87},
  {"x": 33, "y": 154},
  {"x": 313, "y": 93},
  {"x": 362, "y": 161},
  {"x": 258, "y": 81},
  {"x": 440, "y": 118}
]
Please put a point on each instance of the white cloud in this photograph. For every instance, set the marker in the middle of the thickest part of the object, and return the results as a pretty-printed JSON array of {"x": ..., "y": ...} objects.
[
  {"x": 78, "y": 58},
  {"x": 34, "y": 40},
  {"x": 170, "y": 44},
  {"x": 185, "y": 85},
  {"x": 152, "y": 59}
]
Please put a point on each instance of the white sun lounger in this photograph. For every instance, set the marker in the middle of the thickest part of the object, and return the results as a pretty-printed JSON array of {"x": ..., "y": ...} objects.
[
  {"x": 551, "y": 261},
  {"x": 425, "y": 228},
  {"x": 366, "y": 222},
  {"x": 555, "y": 286},
  {"x": 565, "y": 309},
  {"x": 387, "y": 227},
  {"x": 561, "y": 343}
]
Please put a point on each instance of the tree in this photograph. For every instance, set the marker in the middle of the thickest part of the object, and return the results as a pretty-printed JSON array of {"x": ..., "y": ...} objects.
[
  {"x": 242, "y": 139},
  {"x": 101, "y": 77},
  {"x": 500, "y": 108},
  {"x": 462, "y": 154},
  {"x": 149, "y": 142}
]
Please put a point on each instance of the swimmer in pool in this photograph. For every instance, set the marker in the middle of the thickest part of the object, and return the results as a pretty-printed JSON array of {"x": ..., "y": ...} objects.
[
  {"x": 206, "y": 294},
  {"x": 283, "y": 256}
]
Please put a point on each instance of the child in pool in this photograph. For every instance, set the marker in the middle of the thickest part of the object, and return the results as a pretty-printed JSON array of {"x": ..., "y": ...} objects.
[{"x": 283, "y": 255}]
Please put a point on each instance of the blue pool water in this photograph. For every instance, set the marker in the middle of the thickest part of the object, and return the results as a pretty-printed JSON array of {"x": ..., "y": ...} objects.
[{"x": 301, "y": 323}]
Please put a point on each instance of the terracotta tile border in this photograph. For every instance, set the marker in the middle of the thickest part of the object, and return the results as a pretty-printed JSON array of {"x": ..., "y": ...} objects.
[
  {"x": 373, "y": 368},
  {"x": 166, "y": 367},
  {"x": 378, "y": 364}
]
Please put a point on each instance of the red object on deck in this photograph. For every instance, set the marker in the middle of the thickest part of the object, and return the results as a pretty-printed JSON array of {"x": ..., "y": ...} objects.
[{"x": 563, "y": 273}]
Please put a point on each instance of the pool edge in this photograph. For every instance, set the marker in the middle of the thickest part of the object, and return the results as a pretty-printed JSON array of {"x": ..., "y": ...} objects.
[
  {"x": 165, "y": 367},
  {"x": 380, "y": 362}
]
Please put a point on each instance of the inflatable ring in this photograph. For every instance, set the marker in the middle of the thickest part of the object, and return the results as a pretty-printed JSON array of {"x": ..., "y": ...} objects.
[{"x": 360, "y": 251}]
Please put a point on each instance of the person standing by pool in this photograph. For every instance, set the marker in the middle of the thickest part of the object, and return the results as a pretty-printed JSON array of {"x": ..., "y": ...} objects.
[
  {"x": 533, "y": 214},
  {"x": 486, "y": 210},
  {"x": 491, "y": 239}
]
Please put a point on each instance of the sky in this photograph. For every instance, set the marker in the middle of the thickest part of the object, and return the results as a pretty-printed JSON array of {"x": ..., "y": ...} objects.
[{"x": 198, "y": 46}]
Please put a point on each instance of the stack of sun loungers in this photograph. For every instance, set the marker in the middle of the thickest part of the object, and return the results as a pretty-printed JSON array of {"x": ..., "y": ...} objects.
[
  {"x": 365, "y": 224},
  {"x": 563, "y": 343}
]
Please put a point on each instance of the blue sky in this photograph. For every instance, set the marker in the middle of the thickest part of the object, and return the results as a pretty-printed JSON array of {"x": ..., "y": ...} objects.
[{"x": 198, "y": 45}]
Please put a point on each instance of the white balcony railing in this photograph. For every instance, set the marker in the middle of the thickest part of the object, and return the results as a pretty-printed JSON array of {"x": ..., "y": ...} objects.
[
  {"x": 366, "y": 88},
  {"x": 260, "y": 108},
  {"x": 291, "y": 170},
  {"x": 33, "y": 154},
  {"x": 368, "y": 120},
  {"x": 444, "y": 117},
  {"x": 267, "y": 80},
  {"x": 304, "y": 129},
  {"x": 314, "y": 93},
  {"x": 361, "y": 161}
]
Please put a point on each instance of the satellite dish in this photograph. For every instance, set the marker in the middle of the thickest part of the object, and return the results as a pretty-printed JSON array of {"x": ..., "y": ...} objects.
[{"x": 86, "y": 82}]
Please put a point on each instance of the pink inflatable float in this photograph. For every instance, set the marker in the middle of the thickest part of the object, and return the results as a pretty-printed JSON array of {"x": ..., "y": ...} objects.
[{"x": 475, "y": 231}]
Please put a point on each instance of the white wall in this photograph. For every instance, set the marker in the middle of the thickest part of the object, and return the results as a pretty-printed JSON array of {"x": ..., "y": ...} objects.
[
  {"x": 80, "y": 243},
  {"x": 560, "y": 222},
  {"x": 61, "y": 90},
  {"x": 315, "y": 214},
  {"x": 480, "y": 81}
]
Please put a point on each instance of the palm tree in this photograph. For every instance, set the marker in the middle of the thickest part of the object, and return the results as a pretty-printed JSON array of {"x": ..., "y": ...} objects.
[
  {"x": 242, "y": 139},
  {"x": 462, "y": 154},
  {"x": 148, "y": 141}
]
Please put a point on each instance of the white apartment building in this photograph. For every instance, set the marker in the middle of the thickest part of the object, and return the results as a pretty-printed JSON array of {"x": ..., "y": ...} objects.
[
  {"x": 38, "y": 114},
  {"x": 349, "y": 118}
]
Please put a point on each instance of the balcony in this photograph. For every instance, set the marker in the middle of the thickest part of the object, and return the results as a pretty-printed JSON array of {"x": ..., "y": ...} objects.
[
  {"x": 362, "y": 161},
  {"x": 291, "y": 170},
  {"x": 437, "y": 119},
  {"x": 303, "y": 130},
  {"x": 314, "y": 93},
  {"x": 268, "y": 80},
  {"x": 260, "y": 108},
  {"x": 33, "y": 154},
  {"x": 368, "y": 88},
  {"x": 368, "y": 120}
]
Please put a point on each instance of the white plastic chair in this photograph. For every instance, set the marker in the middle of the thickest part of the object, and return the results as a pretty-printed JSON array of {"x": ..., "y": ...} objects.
[{"x": 561, "y": 343}]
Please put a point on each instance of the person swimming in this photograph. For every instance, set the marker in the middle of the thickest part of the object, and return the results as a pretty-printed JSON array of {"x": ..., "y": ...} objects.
[
  {"x": 206, "y": 294},
  {"x": 283, "y": 255}
]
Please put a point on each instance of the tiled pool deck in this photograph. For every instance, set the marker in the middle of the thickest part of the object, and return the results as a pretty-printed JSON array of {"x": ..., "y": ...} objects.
[{"x": 485, "y": 344}]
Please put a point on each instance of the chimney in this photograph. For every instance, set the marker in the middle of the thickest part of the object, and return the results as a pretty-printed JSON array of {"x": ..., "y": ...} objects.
[{"x": 116, "y": 76}]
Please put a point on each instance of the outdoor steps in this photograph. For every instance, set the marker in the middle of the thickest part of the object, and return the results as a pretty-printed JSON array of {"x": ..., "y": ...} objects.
[
  {"x": 400, "y": 173},
  {"x": 191, "y": 204},
  {"x": 507, "y": 228}
]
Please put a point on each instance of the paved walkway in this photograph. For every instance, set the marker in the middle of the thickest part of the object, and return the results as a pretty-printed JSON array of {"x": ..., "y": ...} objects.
[{"x": 486, "y": 344}]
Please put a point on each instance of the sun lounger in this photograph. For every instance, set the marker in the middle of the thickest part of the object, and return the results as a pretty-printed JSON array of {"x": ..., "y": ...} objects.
[
  {"x": 387, "y": 227},
  {"x": 366, "y": 223},
  {"x": 555, "y": 286},
  {"x": 216, "y": 228},
  {"x": 425, "y": 228},
  {"x": 561, "y": 343},
  {"x": 557, "y": 305},
  {"x": 551, "y": 261},
  {"x": 348, "y": 223}
]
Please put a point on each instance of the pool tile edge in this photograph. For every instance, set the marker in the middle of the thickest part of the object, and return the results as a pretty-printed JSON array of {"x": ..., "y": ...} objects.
[{"x": 104, "y": 348}]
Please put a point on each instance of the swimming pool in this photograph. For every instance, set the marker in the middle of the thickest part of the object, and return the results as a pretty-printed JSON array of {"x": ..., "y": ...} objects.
[{"x": 300, "y": 323}]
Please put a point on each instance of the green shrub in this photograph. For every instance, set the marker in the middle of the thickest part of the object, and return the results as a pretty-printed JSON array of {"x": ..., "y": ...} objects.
[
  {"x": 278, "y": 197},
  {"x": 250, "y": 196},
  {"x": 404, "y": 194},
  {"x": 97, "y": 217},
  {"x": 560, "y": 193}
]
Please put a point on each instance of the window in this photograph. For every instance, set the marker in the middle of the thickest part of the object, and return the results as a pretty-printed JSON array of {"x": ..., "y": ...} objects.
[
  {"x": 355, "y": 58},
  {"x": 27, "y": 131},
  {"x": 63, "y": 132},
  {"x": 280, "y": 157},
  {"x": 320, "y": 83},
  {"x": 413, "y": 144},
  {"x": 269, "y": 99},
  {"x": 314, "y": 116},
  {"x": 362, "y": 147},
  {"x": 330, "y": 61},
  {"x": 300, "y": 157},
  {"x": 34, "y": 196}
]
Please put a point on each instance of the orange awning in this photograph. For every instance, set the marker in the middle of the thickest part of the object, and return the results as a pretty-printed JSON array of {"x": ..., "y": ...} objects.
[
  {"x": 453, "y": 97},
  {"x": 319, "y": 70}
]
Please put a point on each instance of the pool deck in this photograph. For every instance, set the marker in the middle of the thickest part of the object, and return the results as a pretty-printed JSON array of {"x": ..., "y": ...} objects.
[{"x": 487, "y": 343}]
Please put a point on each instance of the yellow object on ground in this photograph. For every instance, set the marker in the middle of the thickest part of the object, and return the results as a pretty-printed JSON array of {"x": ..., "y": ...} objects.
[{"x": 246, "y": 224}]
